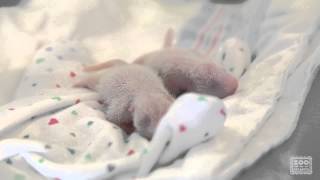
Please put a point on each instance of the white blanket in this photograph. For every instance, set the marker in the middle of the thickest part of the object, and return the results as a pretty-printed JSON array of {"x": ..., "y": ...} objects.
[
  {"x": 111, "y": 29},
  {"x": 258, "y": 120},
  {"x": 265, "y": 110}
]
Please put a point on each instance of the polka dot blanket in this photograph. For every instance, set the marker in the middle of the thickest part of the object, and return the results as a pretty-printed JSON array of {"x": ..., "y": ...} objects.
[
  {"x": 54, "y": 131},
  {"x": 64, "y": 134}
]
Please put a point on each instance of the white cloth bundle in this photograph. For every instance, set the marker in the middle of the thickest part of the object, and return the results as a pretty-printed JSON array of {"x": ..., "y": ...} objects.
[{"x": 279, "y": 34}]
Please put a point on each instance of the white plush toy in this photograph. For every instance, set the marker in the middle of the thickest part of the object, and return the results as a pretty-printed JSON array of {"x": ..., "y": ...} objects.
[
  {"x": 192, "y": 119},
  {"x": 234, "y": 56}
]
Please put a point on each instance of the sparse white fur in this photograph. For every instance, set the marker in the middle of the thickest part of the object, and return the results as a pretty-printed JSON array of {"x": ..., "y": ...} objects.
[
  {"x": 186, "y": 70},
  {"x": 133, "y": 93}
]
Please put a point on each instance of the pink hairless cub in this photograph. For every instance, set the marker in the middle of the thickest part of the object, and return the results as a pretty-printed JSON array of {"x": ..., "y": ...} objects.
[
  {"x": 134, "y": 96},
  {"x": 185, "y": 70}
]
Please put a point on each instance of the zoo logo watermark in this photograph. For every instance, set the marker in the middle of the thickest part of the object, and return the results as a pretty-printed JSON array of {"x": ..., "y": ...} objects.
[{"x": 301, "y": 165}]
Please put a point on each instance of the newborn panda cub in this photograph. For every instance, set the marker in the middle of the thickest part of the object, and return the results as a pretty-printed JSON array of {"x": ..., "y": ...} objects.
[
  {"x": 185, "y": 70},
  {"x": 134, "y": 96}
]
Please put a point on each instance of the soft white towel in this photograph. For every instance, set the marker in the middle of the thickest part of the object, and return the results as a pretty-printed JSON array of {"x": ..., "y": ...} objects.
[{"x": 278, "y": 34}]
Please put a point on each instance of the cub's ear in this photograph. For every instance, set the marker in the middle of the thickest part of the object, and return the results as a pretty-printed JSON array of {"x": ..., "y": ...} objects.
[
  {"x": 169, "y": 38},
  {"x": 104, "y": 65}
]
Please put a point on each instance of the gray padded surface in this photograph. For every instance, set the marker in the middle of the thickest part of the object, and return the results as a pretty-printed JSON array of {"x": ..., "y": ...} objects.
[
  {"x": 305, "y": 141},
  {"x": 8, "y": 3}
]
